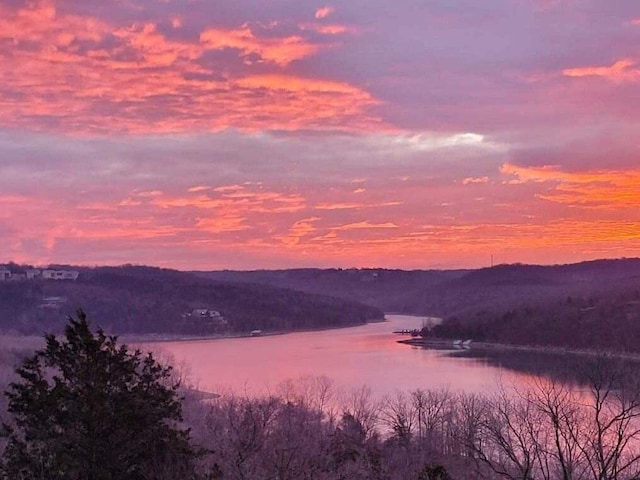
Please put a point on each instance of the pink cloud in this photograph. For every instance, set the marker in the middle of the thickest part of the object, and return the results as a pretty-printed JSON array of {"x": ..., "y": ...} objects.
[
  {"x": 622, "y": 70},
  {"x": 472, "y": 180},
  {"x": 324, "y": 12},
  {"x": 280, "y": 51},
  {"x": 199, "y": 188},
  {"x": 135, "y": 78},
  {"x": 366, "y": 224},
  {"x": 329, "y": 29}
]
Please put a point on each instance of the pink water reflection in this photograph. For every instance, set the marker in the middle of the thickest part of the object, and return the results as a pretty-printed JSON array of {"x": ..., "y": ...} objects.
[{"x": 365, "y": 355}]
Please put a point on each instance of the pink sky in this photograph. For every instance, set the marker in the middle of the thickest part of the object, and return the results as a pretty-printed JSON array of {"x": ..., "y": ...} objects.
[{"x": 250, "y": 134}]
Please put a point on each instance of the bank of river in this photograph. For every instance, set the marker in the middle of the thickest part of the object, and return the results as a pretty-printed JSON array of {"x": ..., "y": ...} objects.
[
  {"x": 441, "y": 343},
  {"x": 177, "y": 337}
]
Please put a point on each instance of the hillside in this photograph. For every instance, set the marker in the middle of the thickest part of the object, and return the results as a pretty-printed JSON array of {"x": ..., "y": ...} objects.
[
  {"x": 144, "y": 300},
  {"x": 585, "y": 305},
  {"x": 447, "y": 293},
  {"x": 608, "y": 319},
  {"x": 389, "y": 290}
]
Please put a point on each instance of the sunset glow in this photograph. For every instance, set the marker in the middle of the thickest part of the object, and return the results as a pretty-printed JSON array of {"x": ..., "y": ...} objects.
[{"x": 242, "y": 135}]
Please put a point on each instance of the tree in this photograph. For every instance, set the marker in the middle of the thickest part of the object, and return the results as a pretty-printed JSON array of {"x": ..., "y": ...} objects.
[{"x": 86, "y": 408}]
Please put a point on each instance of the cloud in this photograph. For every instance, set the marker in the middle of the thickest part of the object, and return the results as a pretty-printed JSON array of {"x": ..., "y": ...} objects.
[
  {"x": 622, "y": 70},
  {"x": 324, "y": 12},
  {"x": 354, "y": 205},
  {"x": 299, "y": 230},
  {"x": 602, "y": 189},
  {"x": 329, "y": 29},
  {"x": 472, "y": 180},
  {"x": 230, "y": 133},
  {"x": 366, "y": 225},
  {"x": 199, "y": 188},
  {"x": 281, "y": 51},
  {"x": 83, "y": 74}
]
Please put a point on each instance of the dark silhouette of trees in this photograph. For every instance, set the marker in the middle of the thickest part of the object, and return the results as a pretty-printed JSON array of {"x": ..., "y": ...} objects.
[{"x": 86, "y": 408}]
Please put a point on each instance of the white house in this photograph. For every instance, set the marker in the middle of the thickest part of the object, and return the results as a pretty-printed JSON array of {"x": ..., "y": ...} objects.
[
  {"x": 60, "y": 274},
  {"x": 5, "y": 274},
  {"x": 33, "y": 273},
  {"x": 206, "y": 314}
]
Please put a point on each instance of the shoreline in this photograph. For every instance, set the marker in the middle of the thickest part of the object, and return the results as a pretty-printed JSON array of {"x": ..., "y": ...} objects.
[
  {"x": 167, "y": 337},
  {"x": 441, "y": 343}
]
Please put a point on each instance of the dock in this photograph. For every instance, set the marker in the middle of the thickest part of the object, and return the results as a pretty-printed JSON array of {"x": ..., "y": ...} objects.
[{"x": 413, "y": 332}]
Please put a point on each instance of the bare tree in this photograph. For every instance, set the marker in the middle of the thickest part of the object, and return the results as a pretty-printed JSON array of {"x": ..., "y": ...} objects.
[
  {"x": 398, "y": 416},
  {"x": 506, "y": 441},
  {"x": 610, "y": 435}
]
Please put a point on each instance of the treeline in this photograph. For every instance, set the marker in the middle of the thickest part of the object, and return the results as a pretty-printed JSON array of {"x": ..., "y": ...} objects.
[
  {"x": 133, "y": 299},
  {"x": 604, "y": 321},
  {"x": 546, "y": 433},
  {"x": 397, "y": 291}
]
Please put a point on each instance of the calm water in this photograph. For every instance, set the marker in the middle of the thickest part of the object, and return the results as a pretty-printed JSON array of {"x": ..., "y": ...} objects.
[{"x": 351, "y": 357}]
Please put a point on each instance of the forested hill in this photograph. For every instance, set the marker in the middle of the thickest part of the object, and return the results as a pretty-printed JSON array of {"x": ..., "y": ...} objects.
[
  {"x": 389, "y": 290},
  {"x": 133, "y": 299},
  {"x": 451, "y": 292},
  {"x": 585, "y": 305}
]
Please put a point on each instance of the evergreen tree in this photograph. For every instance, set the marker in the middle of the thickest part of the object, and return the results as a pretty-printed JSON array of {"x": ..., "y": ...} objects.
[{"x": 86, "y": 408}]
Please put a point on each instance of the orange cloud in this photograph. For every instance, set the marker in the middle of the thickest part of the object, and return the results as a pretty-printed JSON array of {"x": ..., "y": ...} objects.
[
  {"x": 299, "y": 230},
  {"x": 331, "y": 29},
  {"x": 339, "y": 206},
  {"x": 607, "y": 189},
  {"x": 622, "y": 70},
  {"x": 250, "y": 220},
  {"x": 281, "y": 51},
  {"x": 352, "y": 206},
  {"x": 365, "y": 225}
]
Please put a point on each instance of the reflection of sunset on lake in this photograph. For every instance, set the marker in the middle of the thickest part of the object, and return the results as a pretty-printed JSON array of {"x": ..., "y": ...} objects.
[
  {"x": 351, "y": 358},
  {"x": 201, "y": 135}
]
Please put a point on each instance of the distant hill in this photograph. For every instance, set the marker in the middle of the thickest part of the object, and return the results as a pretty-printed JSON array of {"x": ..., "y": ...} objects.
[
  {"x": 585, "y": 305},
  {"x": 448, "y": 292},
  {"x": 398, "y": 291},
  {"x": 588, "y": 303},
  {"x": 134, "y": 299}
]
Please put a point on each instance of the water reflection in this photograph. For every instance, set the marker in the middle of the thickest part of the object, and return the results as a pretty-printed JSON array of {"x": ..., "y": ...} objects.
[
  {"x": 572, "y": 369},
  {"x": 364, "y": 355}
]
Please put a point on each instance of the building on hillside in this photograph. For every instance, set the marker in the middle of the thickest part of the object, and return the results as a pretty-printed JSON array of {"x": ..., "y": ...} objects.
[
  {"x": 5, "y": 274},
  {"x": 205, "y": 313},
  {"x": 60, "y": 274},
  {"x": 52, "y": 303},
  {"x": 206, "y": 316},
  {"x": 33, "y": 273}
]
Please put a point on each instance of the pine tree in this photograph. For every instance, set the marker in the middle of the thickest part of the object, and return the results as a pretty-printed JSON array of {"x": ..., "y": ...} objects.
[{"x": 86, "y": 408}]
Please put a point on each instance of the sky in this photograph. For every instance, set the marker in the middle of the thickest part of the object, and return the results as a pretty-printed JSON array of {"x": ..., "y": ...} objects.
[{"x": 250, "y": 134}]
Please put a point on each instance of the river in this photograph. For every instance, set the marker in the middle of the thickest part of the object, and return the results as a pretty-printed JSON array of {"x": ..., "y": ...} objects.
[{"x": 366, "y": 355}]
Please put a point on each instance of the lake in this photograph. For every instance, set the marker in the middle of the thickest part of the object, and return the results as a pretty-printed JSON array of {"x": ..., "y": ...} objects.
[{"x": 366, "y": 355}]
